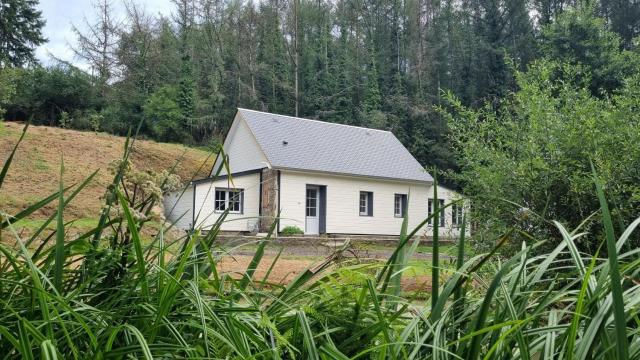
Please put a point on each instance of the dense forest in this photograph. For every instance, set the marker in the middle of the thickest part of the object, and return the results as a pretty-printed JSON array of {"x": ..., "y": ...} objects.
[{"x": 375, "y": 63}]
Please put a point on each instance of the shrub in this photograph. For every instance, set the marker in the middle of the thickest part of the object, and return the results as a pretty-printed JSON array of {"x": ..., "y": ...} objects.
[
  {"x": 529, "y": 162},
  {"x": 291, "y": 230}
]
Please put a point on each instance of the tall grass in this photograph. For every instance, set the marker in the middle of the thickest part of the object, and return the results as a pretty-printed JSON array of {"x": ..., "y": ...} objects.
[{"x": 110, "y": 293}]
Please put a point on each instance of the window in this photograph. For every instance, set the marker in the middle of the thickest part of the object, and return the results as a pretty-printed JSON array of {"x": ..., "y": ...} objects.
[
  {"x": 430, "y": 210},
  {"x": 235, "y": 201},
  {"x": 366, "y": 203},
  {"x": 399, "y": 205},
  {"x": 231, "y": 199},
  {"x": 457, "y": 214},
  {"x": 312, "y": 202},
  {"x": 221, "y": 200}
]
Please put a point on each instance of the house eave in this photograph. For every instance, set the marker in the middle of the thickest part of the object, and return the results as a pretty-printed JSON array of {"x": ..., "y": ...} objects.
[
  {"x": 358, "y": 176},
  {"x": 222, "y": 177}
]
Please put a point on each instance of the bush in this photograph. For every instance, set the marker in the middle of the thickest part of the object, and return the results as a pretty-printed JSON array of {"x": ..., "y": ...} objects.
[
  {"x": 46, "y": 92},
  {"x": 291, "y": 231},
  {"x": 529, "y": 162}
]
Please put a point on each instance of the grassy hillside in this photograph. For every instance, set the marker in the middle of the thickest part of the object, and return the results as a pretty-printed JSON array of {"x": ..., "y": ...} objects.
[{"x": 36, "y": 166}]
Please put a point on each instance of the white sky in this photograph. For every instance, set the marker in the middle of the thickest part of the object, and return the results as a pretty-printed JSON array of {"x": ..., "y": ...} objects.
[{"x": 61, "y": 14}]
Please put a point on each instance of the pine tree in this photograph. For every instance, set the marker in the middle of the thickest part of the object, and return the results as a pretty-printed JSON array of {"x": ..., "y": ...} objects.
[
  {"x": 372, "y": 97},
  {"x": 186, "y": 88},
  {"x": 20, "y": 32}
]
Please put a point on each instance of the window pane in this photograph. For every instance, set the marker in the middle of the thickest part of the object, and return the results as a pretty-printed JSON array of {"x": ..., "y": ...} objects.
[
  {"x": 430, "y": 209},
  {"x": 220, "y": 200},
  {"x": 235, "y": 196},
  {"x": 399, "y": 204},
  {"x": 454, "y": 214},
  {"x": 364, "y": 200},
  {"x": 312, "y": 202}
]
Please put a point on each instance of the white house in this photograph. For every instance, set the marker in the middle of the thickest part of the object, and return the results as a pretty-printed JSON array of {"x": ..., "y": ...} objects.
[{"x": 321, "y": 177}]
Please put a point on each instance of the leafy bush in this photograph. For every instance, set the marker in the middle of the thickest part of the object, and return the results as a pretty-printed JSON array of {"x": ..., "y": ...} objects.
[
  {"x": 112, "y": 293},
  {"x": 45, "y": 92},
  {"x": 291, "y": 230},
  {"x": 528, "y": 163}
]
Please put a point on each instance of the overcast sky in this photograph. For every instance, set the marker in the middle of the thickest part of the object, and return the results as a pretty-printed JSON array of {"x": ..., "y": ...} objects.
[{"x": 61, "y": 14}]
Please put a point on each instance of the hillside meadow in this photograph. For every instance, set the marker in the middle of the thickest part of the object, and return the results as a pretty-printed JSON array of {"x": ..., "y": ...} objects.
[{"x": 35, "y": 172}]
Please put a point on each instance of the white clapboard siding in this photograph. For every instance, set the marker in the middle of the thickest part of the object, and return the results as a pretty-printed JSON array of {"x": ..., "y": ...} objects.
[
  {"x": 241, "y": 147},
  {"x": 178, "y": 207},
  {"x": 342, "y": 211},
  {"x": 449, "y": 230},
  {"x": 205, "y": 196}
]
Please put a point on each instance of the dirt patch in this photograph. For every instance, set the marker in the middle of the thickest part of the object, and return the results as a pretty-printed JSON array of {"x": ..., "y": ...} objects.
[
  {"x": 35, "y": 171},
  {"x": 283, "y": 272},
  {"x": 286, "y": 270}
]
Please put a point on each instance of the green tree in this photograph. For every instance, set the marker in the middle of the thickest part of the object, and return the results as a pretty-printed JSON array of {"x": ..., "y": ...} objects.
[
  {"x": 579, "y": 37},
  {"x": 529, "y": 162},
  {"x": 186, "y": 88},
  {"x": 8, "y": 79},
  {"x": 20, "y": 32},
  {"x": 45, "y": 92},
  {"x": 164, "y": 115}
]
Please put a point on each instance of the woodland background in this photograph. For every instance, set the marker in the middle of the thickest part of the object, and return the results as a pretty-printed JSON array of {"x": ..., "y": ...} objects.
[{"x": 374, "y": 63}]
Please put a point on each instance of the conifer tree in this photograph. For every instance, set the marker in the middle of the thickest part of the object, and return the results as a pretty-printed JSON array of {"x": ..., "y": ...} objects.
[{"x": 20, "y": 32}]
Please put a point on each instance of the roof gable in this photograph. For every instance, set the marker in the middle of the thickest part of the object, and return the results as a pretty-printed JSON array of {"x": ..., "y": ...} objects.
[
  {"x": 312, "y": 145},
  {"x": 243, "y": 150}
]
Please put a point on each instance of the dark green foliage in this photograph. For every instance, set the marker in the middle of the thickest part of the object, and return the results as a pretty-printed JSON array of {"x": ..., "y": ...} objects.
[
  {"x": 20, "y": 32},
  {"x": 44, "y": 93},
  {"x": 164, "y": 115},
  {"x": 579, "y": 37},
  {"x": 528, "y": 163}
]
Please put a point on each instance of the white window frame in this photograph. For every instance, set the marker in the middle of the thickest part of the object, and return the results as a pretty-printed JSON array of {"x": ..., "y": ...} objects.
[
  {"x": 315, "y": 201},
  {"x": 430, "y": 203},
  {"x": 457, "y": 214},
  {"x": 365, "y": 206},
  {"x": 228, "y": 193},
  {"x": 399, "y": 205}
]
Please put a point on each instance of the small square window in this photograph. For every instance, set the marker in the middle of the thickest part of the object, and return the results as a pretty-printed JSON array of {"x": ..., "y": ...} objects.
[{"x": 229, "y": 199}]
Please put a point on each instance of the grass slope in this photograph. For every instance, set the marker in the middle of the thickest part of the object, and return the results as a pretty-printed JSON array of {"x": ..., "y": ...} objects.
[{"x": 36, "y": 166}]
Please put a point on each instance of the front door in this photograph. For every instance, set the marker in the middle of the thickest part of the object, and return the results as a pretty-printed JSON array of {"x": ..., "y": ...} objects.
[{"x": 312, "y": 219}]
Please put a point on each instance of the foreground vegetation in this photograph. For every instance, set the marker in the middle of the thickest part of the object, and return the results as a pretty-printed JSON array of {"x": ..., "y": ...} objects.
[{"x": 106, "y": 294}]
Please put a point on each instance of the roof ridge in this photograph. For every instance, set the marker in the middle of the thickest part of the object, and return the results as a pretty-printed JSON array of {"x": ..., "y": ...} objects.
[{"x": 314, "y": 120}]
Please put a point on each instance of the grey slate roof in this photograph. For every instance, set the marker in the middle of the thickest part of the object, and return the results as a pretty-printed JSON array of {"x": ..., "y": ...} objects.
[{"x": 314, "y": 145}]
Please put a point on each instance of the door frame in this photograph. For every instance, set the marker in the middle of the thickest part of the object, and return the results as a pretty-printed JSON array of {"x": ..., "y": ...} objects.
[{"x": 321, "y": 207}]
